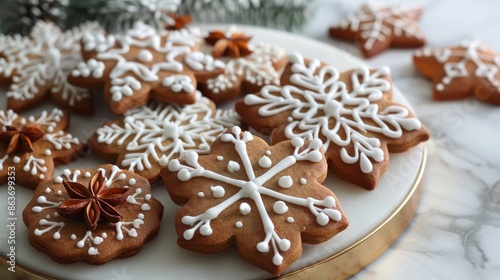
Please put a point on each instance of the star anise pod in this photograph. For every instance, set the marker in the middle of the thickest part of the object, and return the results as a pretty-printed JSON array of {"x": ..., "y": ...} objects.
[
  {"x": 94, "y": 201},
  {"x": 235, "y": 46},
  {"x": 21, "y": 141},
  {"x": 177, "y": 22}
]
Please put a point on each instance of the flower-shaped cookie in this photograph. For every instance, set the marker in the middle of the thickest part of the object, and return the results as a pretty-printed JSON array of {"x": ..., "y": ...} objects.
[
  {"x": 351, "y": 112},
  {"x": 146, "y": 138},
  {"x": 245, "y": 74},
  {"x": 470, "y": 69},
  {"x": 378, "y": 27},
  {"x": 92, "y": 215},
  {"x": 144, "y": 64},
  {"x": 30, "y": 147},
  {"x": 265, "y": 200},
  {"x": 36, "y": 67}
]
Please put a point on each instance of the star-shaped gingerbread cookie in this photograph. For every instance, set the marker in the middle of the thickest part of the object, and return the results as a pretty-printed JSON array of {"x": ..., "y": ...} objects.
[
  {"x": 144, "y": 64},
  {"x": 469, "y": 69},
  {"x": 31, "y": 147},
  {"x": 351, "y": 112},
  {"x": 36, "y": 67},
  {"x": 147, "y": 137},
  {"x": 377, "y": 27}
]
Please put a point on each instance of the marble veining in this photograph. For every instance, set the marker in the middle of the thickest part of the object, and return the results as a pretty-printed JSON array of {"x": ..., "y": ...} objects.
[{"x": 457, "y": 227}]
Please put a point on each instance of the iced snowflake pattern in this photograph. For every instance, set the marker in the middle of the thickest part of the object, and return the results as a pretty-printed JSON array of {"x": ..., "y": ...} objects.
[
  {"x": 255, "y": 189},
  {"x": 454, "y": 61},
  {"x": 151, "y": 135},
  {"x": 321, "y": 105},
  {"x": 39, "y": 65},
  {"x": 375, "y": 24},
  {"x": 47, "y": 203},
  {"x": 143, "y": 60}
]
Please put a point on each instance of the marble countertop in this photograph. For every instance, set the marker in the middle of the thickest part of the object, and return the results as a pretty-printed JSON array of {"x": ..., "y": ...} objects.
[{"x": 455, "y": 232}]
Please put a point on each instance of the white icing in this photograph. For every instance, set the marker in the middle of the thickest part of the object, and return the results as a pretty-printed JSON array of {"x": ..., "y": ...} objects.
[
  {"x": 233, "y": 166},
  {"x": 160, "y": 132},
  {"x": 132, "y": 181},
  {"x": 285, "y": 181},
  {"x": 486, "y": 64},
  {"x": 16, "y": 159},
  {"x": 279, "y": 207},
  {"x": 48, "y": 152},
  {"x": 245, "y": 208},
  {"x": 303, "y": 181},
  {"x": 218, "y": 191},
  {"x": 220, "y": 158},
  {"x": 354, "y": 112},
  {"x": 128, "y": 73},
  {"x": 256, "y": 68},
  {"x": 46, "y": 57},
  {"x": 253, "y": 189},
  {"x": 47, "y": 190},
  {"x": 265, "y": 162},
  {"x": 201, "y": 194},
  {"x": 238, "y": 224},
  {"x": 290, "y": 220},
  {"x": 377, "y": 23}
]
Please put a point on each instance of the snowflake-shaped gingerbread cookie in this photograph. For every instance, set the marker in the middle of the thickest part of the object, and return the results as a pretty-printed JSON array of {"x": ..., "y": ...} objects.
[
  {"x": 30, "y": 147},
  {"x": 378, "y": 27},
  {"x": 351, "y": 112},
  {"x": 246, "y": 74},
  {"x": 36, "y": 67},
  {"x": 144, "y": 64},
  {"x": 469, "y": 69},
  {"x": 55, "y": 219},
  {"x": 267, "y": 201},
  {"x": 146, "y": 138}
]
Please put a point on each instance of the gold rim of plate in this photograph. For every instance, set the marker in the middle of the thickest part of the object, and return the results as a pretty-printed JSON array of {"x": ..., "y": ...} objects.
[{"x": 338, "y": 266}]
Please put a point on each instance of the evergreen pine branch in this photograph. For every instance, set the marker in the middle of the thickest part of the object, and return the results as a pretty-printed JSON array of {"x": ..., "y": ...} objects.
[
  {"x": 119, "y": 15},
  {"x": 285, "y": 14}
]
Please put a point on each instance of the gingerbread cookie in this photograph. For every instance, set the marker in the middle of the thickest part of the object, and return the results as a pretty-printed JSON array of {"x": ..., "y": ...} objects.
[
  {"x": 146, "y": 138},
  {"x": 144, "y": 64},
  {"x": 351, "y": 112},
  {"x": 469, "y": 69},
  {"x": 265, "y": 200},
  {"x": 377, "y": 27},
  {"x": 92, "y": 215},
  {"x": 36, "y": 67},
  {"x": 30, "y": 147},
  {"x": 251, "y": 66}
]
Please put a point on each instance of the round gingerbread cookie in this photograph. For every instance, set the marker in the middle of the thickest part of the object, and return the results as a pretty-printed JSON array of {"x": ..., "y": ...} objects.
[
  {"x": 36, "y": 67},
  {"x": 143, "y": 64},
  {"x": 31, "y": 147},
  {"x": 351, "y": 112},
  {"x": 265, "y": 200},
  {"x": 92, "y": 215}
]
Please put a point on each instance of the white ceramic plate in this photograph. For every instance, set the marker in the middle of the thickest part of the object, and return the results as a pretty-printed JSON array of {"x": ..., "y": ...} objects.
[{"x": 162, "y": 258}]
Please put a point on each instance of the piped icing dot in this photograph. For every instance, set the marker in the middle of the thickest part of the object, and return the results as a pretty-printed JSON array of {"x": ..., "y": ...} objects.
[
  {"x": 290, "y": 220},
  {"x": 47, "y": 190},
  {"x": 268, "y": 153},
  {"x": 217, "y": 191},
  {"x": 132, "y": 181},
  {"x": 265, "y": 162},
  {"x": 303, "y": 181},
  {"x": 280, "y": 207},
  {"x": 87, "y": 174},
  {"x": 145, "y": 56},
  {"x": 238, "y": 224},
  {"x": 59, "y": 192},
  {"x": 201, "y": 194},
  {"x": 16, "y": 159},
  {"x": 48, "y": 152},
  {"x": 285, "y": 182},
  {"x": 73, "y": 237},
  {"x": 233, "y": 166},
  {"x": 220, "y": 158},
  {"x": 245, "y": 208},
  {"x": 58, "y": 179}
]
